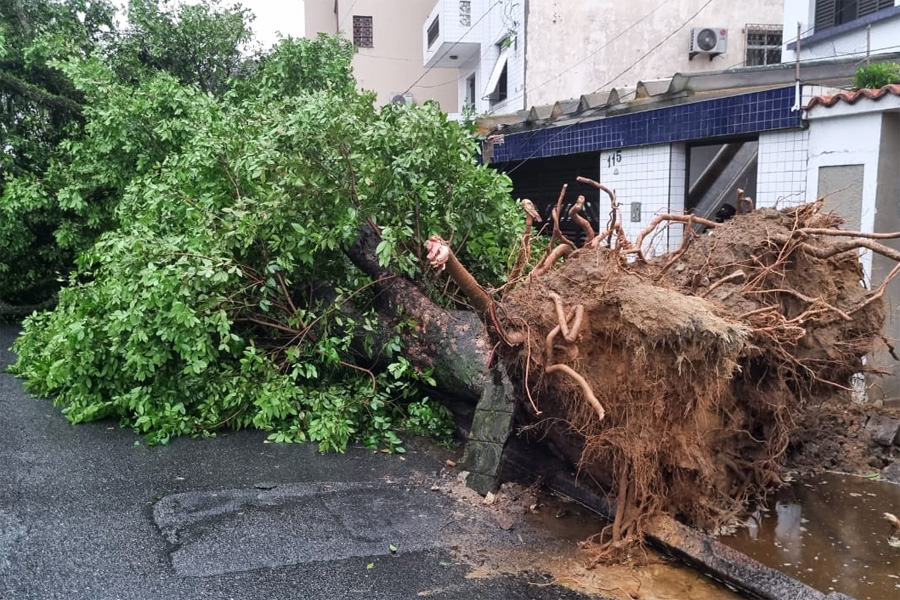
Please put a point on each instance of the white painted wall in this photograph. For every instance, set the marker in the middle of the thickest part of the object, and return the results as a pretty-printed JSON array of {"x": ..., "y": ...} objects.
[
  {"x": 796, "y": 11},
  {"x": 578, "y": 46},
  {"x": 847, "y": 140},
  {"x": 677, "y": 179},
  {"x": 395, "y": 62},
  {"x": 492, "y": 22}
]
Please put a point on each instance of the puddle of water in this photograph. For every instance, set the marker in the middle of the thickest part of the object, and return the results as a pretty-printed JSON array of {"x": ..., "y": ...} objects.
[
  {"x": 562, "y": 525},
  {"x": 828, "y": 531}
]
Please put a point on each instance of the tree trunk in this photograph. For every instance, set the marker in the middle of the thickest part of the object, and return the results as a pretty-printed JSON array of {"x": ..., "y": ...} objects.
[{"x": 453, "y": 343}]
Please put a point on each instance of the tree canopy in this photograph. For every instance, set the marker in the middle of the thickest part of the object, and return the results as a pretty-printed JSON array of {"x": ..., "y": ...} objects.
[
  {"x": 62, "y": 59},
  {"x": 212, "y": 216}
]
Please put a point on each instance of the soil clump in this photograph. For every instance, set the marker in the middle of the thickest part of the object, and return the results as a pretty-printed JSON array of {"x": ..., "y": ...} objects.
[{"x": 678, "y": 383}]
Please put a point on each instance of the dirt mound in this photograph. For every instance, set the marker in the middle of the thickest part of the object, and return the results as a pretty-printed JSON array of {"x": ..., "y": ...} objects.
[
  {"x": 833, "y": 436},
  {"x": 676, "y": 382}
]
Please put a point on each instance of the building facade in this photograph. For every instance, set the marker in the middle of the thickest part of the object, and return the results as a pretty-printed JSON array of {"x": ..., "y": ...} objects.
[
  {"x": 389, "y": 49},
  {"x": 512, "y": 54},
  {"x": 840, "y": 28}
]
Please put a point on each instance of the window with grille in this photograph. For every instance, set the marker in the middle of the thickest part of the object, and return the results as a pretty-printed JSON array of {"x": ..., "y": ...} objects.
[
  {"x": 362, "y": 32},
  {"x": 763, "y": 45},
  {"x": 831, "y": 13}
]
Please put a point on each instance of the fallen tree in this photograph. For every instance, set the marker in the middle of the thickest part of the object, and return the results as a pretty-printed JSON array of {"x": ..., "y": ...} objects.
[
  {"x": 673, "y": 382},
  {"x": 264, "y": 262}
]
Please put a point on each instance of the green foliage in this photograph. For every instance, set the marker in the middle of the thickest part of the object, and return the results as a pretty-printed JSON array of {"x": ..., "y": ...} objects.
[
  {"x": 429, "y": 418},
  {"x": 218, "y": 292},
  {"x": 876, "y": 76},
  {"x": 198, "y": 44},
  {"x": 86, "y": 107},
  {"x": 291, "y": 68},
  {"x": 39, "y": 108}
]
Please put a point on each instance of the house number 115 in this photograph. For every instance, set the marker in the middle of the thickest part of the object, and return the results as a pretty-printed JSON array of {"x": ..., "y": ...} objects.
[{"x": 613, "y": 159}]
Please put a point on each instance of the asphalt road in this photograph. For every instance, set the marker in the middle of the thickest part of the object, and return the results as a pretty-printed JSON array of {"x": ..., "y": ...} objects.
[{"x": 84, "y": 513}]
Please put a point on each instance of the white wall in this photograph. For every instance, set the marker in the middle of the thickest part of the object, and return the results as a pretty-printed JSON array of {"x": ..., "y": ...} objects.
[
  {"x": 394, "y": 63},
  {"x": 781, "y": 177},
  {"x": 643, "y": 175},
  {"x": 677, "y": 188},
  {"x": 847, "y": 140},
  {"x": 504, "y": 18},
  {"x": 796, "y": 11},
  {"x": 572, "y": 48}
]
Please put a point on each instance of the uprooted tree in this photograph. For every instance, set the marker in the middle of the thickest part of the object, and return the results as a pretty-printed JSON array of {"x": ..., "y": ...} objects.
[
  {"x": 674, "y": 381},
  {"x": 261, "y": 258}
]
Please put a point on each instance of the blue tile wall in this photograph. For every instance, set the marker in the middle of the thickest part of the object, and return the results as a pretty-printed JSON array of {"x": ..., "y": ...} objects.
[{"x": 722, "y": 117}]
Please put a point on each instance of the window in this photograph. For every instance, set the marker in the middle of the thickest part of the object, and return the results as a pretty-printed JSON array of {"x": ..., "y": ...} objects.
[
  {"x": 465, "y": 13},
  {"x": 470, "y": 90},
  {"x": 496, "y": 87},
  {"x": 434, "y": 30},
  {"x": 830, "y": 13},
  {"x": 362, "y": 32},
  {"x": 763, "y": 45}
]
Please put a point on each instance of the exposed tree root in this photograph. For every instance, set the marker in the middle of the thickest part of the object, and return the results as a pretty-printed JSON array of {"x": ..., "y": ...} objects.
[
  {"x": 575, "y": 215},
  {"x": 546, "y": 263},
  {"x": 531, "y": 216},
  {"x": 612, "y": 226},
  {"x": 440, "y": 256},
  {"x": 582, "y": 382},
  {"x": 689, "y": 220},
  {"x": 557, "y": 232},
  {"x": 695, "y": 365}
]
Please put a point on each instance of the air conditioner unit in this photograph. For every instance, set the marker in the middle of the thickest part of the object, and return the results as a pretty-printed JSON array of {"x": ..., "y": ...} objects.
[
  {"x": 398, "y": 98},
  {"x": 708, "y": 40}
]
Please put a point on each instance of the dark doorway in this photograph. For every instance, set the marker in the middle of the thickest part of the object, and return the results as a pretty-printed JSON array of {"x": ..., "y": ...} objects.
[
  {"x": 715, "y": 173},
  {"x": 540, "y": 180}
]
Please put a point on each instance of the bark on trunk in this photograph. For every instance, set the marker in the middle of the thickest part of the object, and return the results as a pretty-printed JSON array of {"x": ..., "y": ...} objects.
[{"x": 451, "y": 342}]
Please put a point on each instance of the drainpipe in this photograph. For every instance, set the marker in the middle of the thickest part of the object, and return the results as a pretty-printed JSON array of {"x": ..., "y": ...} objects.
[
  {"x": 868, "y": 44},
  {"x": 796, "y": 105},
  {"x": 524, "y": 36}
]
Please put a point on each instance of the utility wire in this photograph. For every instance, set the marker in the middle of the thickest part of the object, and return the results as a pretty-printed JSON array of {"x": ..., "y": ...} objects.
[
  {"x": 595, "y": 52},
  {"x": 631, "y": 66},
  {"x": 349, "y": 13},
  {"x": 450, "y": 49},
  {"x": 660, "y": 43}
]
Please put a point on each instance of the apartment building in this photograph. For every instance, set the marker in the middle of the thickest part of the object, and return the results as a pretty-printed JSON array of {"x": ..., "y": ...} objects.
[
  {"x": 513, "y": 54},
  {"x": 387, "y": 35},
  {"x": 840, "y": 28}
]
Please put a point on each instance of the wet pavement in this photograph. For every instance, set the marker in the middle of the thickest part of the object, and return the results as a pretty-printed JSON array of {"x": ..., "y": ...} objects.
[
  {"x": 87, "y": 513},
  {"x": 828, "y": 531}
]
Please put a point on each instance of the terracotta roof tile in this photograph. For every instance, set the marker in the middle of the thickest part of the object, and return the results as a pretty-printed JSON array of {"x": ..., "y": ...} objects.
[{"x": 854, "y": 97}]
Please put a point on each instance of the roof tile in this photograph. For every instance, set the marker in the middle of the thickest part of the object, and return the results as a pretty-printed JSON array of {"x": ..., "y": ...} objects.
[{"x": 854, "y": 97}]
